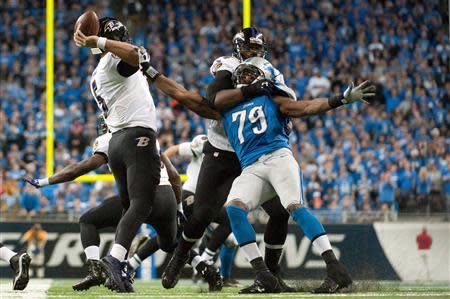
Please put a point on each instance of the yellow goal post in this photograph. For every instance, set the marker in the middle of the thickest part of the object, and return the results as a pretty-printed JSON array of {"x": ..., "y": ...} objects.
[{"x": 49, "y": 77}]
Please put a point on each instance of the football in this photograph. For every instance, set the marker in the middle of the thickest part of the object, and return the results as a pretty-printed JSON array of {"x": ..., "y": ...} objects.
[{"x": 88, "y": 23}]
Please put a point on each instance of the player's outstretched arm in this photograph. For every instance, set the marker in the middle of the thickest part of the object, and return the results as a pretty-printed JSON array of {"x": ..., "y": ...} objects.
[
  {"x": 224, "y": 98},
  {"x": 174, "y": 176},
  {"x": 320, "y": 105},
  {"x": 192, "y": 100},
  {"x": 125, "y": 51},
  {"x": 70, "y": 172}
]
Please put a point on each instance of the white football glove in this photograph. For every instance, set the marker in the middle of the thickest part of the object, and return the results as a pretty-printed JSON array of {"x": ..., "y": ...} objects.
[
  {"x": 358, "y": 93},
  {"x": 144, "y": 63}
]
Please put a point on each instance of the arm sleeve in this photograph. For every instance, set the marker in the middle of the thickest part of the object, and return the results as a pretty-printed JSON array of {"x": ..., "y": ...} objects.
[
  {"x": 125, "y": 69},
  {"x": 184, "y": 149},
  {"x": 221, "y": 81}
]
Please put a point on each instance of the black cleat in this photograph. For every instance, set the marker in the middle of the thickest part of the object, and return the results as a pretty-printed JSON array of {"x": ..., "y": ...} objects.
[
  {"x": 284, "y": 287},
  {"x": 20, "y": 263},
  {"x": 113, "y": 270},
  {"x": 337, "y": 278},
  {"x": 265, "y": 282},
  {"x": 211, "y": 275},
  {"x": 128, "y": 279},
  {"x": 171, "y": 274},
  {"x": 95, "y": 277}
]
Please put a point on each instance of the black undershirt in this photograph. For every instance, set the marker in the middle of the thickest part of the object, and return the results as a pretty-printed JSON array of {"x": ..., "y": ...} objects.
[{"x": 221, "y": 81}]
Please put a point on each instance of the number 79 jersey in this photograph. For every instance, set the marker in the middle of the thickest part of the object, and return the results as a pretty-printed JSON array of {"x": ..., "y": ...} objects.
[{"x": 255, "y": 128}]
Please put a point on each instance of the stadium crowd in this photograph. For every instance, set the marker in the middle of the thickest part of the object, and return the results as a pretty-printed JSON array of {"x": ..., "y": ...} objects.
[{"x": 392, "y": 154}]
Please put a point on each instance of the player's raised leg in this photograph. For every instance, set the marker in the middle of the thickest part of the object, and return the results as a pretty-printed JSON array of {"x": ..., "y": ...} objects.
[{"x": 20, "y": 263}]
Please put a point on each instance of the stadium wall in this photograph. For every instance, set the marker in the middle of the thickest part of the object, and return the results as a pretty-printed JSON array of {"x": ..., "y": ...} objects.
[{"x": 382, "y": 251}]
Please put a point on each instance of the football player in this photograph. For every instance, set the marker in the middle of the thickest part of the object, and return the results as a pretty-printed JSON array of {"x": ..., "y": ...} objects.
[
  {"x": 122, "y": 93},
  {"x": 193, "y": 151},
  {"x": 20, "y": 263},
  {"x": 109, "y": 213},
  {"x": 257, "y": 131},
  {"x": 221, "y": 166}
]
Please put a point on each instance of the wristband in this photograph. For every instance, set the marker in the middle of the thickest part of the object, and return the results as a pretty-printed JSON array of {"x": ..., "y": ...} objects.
[
  {"x": 336, "y": 100},
  {"x": 43, "y": 182},
  {"x": 152, "y": 73},
  {"x": 101, "y": 43}
]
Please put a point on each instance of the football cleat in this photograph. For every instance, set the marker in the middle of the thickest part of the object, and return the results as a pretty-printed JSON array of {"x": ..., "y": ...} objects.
[
  {"x": 20, "y": 263},
  {"x": 171, "y": 274},
  {"x": 128, "y": 279},
  {"x": 211, "y": 275},
  {"x": 94, "y": 277},
  {"x": 113, "y": 270},
  {"x": 265, "y": 282},
  {"x": 337, "y": 278}
]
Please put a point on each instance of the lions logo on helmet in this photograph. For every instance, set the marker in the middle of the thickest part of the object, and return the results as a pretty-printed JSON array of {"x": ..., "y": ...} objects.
[{"x": 197, "y": 145}]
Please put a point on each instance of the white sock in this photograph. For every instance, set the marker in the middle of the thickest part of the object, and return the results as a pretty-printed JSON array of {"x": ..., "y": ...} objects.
[
  {"x": 195, "y": 261},
  {"x": 119, "y": 252},
  {"x": 322, "y": 243},
  {"x": 207, "y": 255},
  {"x": 135, "y": 261},
  {"x": 6, "y": 254},
  {"x": 92, "y": 252},
  {"x": 251, "y": 251}
]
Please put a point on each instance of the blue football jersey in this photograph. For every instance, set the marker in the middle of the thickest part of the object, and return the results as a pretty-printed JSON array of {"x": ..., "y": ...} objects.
[{"x": 255, "y": 128}]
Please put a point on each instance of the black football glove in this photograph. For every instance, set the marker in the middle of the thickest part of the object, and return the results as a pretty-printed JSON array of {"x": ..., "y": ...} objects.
[{"x": 260, "y": 88}]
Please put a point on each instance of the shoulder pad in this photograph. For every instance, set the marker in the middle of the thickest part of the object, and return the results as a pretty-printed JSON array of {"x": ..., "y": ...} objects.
[{"x": 224, "y": 63}]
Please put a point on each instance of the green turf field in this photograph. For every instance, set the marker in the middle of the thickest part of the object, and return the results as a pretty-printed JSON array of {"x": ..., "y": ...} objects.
[{"x": 61, "y": 288}]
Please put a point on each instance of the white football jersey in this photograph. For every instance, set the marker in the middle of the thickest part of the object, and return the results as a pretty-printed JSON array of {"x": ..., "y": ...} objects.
[
  {"x": 216, "y": 133},
  {"x": 101, "y": 146},
  {"x": 194, "y": 151},
  {"x": 125, "y": 101}
]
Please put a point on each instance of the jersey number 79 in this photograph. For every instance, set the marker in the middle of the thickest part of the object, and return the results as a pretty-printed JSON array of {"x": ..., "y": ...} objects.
[{"x": 255, "y": 115}]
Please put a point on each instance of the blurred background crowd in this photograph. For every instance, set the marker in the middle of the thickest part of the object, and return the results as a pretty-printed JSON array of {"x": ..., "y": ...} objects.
[{"x": 390, "y": 155}]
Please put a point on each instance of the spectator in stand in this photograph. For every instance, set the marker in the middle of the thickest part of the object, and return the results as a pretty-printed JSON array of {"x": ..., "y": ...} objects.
[
  {"x": 406, "y": 185},
  {"x": 29, "y": 201},
  {"x": 386, "y": 190},
  {"x": 423, "y": 188},
  {"x": 318, "y": 85},
  {"x": 436, "y": 179}
]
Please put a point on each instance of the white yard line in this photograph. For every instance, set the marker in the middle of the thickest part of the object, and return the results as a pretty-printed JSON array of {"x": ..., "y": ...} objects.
[
  {"x": 285, "y": 295},
  {"x": 36, "y": 289}
]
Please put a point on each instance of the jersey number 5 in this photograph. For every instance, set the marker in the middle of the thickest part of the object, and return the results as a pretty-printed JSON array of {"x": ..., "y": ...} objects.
[
  {"x": 256, "y": 114},
  {"x": 101, "y": 101}
]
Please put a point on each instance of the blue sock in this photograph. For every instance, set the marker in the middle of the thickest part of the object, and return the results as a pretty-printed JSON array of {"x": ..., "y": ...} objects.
[
  {"x": 226, "y": 260},
  {"x": 310, "y": 225},
  {"x": 242, "y": 229}
]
